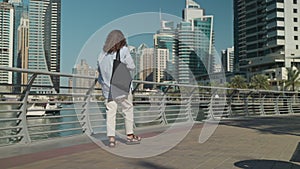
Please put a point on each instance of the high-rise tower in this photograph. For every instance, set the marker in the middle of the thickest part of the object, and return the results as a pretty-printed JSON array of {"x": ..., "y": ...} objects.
[
  {"x": 20, "y": 9},
  {"x": 266, "y": 37},
  {"x": 23, "y": 46},
  {"x": 195, "y": 43},
  {"x": 44, "y": 41},
  {"x": 6, "y": 40}
]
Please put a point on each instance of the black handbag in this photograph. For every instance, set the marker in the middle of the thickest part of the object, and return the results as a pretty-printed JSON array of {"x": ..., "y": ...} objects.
[{"x": 121, "y": 79}]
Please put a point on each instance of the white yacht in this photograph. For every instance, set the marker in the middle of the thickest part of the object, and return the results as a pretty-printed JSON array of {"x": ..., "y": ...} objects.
[
  {"x": 36, "y": 109},
  {"x": 43, "y": 109}
]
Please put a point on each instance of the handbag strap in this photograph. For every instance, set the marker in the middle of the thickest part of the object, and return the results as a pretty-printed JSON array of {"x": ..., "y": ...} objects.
[{"x": 118, "y": 55}]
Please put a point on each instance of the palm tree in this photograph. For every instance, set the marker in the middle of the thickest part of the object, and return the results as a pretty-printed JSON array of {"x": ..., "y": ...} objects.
[
  {"x": 238, "y": 81},
  {"x": 259, "y": 82},
  {"x": 293, "y": 79}
]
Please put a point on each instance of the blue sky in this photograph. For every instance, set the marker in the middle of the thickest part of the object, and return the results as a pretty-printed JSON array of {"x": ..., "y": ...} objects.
[{"x": 81, "y": 19}]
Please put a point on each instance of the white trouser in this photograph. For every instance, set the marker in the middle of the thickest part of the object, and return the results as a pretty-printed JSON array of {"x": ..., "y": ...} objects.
[{"x": 111, "y": 111}]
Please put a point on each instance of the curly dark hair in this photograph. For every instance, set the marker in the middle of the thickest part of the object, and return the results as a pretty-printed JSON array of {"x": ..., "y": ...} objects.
[{"x": 115, "y": 40}]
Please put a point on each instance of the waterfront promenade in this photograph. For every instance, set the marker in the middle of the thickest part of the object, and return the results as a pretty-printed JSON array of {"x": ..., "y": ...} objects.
[{"x": 271, "y": 142}]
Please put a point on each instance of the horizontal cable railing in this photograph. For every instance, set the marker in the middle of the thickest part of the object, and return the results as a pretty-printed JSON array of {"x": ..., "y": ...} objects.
[{"x": 25, "y": 116}]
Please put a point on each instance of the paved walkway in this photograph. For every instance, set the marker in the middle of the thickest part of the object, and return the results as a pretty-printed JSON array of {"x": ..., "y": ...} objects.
[{"x": 253, "y": 143}]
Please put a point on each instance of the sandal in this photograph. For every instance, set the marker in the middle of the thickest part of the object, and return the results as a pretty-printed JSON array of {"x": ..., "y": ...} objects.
[
  {"x": 112, "y": 143},
  {"x": 133, "y": 139}
]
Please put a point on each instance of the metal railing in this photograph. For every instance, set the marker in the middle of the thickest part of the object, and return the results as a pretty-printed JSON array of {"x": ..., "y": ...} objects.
[{"x": 82, "y": 108}]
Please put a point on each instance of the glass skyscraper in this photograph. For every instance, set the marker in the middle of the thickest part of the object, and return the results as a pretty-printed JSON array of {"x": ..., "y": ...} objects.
[
  {"x": 195, "y": 43},
  {"x": 190, "y": 45},
  {"x": 165, "y": 38},
  {"x": 44, "y": 42}
]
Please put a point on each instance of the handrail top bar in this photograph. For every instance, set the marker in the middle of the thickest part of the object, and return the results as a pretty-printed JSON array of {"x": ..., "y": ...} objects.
[
  {"x": 41, "y": 72},
  {"x": 213, "y": 87}
]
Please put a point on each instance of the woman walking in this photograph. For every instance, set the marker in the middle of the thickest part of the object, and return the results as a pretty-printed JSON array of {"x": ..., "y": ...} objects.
[{"x": 116, "y": 43}]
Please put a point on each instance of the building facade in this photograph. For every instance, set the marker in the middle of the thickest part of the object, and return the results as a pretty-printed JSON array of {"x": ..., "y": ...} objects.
[
  {"x": 161, "y": 59},
  {"x": 136, "y": 59},
  {"x": 165, "y": 38},
  {"x": 146, "y": 56},
  {"x": 266, "y": 37},
  {"x": 195, "y": 43},
  {"x": 20, "y": 9},
  {"x": 81, "y": 85},
  {"x": 227, "y": 57},
  {"x": 44, "y": 42},
  {"x": 6, "y": 40},
  {"x": 23, "y": 46}
]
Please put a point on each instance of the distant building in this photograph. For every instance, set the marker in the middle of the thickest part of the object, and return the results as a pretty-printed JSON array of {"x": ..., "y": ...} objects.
[
  {"x": 146, "y": 56},
  {"x": 165, "y": 38},
  {"x": 136, "y": 59},
  {"x": 161, "y": 59},
  {"x": 218, "y": 68},
  {"x": 19, "y": 9},
  {"x": 6, "y": 40},
  {"x": 44, "y": 42},
  {"x": 227, "y": 58},
  {"x": 23, "y": 46},
  {"x": 81, "y": 85}
]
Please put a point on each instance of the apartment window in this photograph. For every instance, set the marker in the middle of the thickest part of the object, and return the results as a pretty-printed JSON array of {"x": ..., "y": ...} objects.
[
  {"x": 295, "y": 19},
  {"x": 295, "y": 28},
  {"x": 295, "y": 1},
  {"x": 297, "y": 47},
  {"x": 295, "y": 10},
  {"x": 295, "y": 37}
]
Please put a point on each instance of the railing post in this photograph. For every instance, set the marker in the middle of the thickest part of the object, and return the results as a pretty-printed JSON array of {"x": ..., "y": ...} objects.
[
  {"x": 246, "y": 104},
  {"x": 85, "y": 116},
  {"x": 277, "y": 105},
  {"x": 230, "y": 107},
  {"x": 262, "y": 109},
  {"x": 230, "y": 102},
  {"x": 210, "y": 106},
  {"x": 189, "y": 108},
  {"x": 290, "y": 105},
  {"x": 23, "y": 111},
  {"x": 162, "y": 108}
]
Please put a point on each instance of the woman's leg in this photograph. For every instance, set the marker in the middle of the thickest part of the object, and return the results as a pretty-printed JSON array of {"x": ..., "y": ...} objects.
[
  {"x": 111, "y": 111},
  {"x": 127, "y": 109}
]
